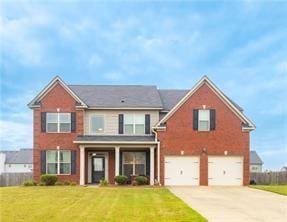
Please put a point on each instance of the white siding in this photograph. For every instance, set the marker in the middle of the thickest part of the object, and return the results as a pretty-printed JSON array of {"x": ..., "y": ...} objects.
[
  {"x": 18, "y": 168},
  {"x": 111, "y": 120},
  {"x": 255, "y": 168}
]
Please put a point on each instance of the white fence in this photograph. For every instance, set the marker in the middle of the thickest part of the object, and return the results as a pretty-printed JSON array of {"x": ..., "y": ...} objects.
[{"x": 14, "y": 179}]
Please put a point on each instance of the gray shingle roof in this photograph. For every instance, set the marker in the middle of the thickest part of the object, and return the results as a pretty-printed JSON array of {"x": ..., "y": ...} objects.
[
  {"x": 170, "y": 97},
  {"x": 254, "y": 158},
  {"x": 132, "y": 96},
  {"x": 117, "y": 138},
  {"x": 21, "y": 156}
]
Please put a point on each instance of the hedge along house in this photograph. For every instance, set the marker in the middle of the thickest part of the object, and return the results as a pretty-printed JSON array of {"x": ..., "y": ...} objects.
[{"x": 85, "y": 133}]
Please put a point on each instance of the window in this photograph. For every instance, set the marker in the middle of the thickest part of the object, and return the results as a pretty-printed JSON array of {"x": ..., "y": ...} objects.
[
  {"x": 203, "y": 120},
  {"x": 58, "y": 162},
  {"x": 65, "y": 162},
  {"x": 134, "y": 163},
  {"x": 97, "y": 124},
  {"x": 134, "y": 124},
  {"x": 52, "y": 162},
  {"x": 58, "y": 122}
]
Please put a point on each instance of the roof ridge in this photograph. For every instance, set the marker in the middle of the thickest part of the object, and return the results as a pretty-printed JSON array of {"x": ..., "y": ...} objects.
[
  {"x": 112, "y": 85},
  {"x": 174, "y": 89}
]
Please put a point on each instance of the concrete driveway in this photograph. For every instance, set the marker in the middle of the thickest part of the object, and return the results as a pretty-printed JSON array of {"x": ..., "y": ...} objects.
[{"x": 234, "y": 204}]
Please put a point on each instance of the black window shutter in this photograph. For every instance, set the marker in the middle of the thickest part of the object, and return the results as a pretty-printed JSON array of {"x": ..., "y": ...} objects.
[
  {"x": 147, "y": 163},
  {"x": 43, "y": 122},
  {"x": 43, "y": 161},
  {"x": 195, "y": 119},
  {"x": 73, "y": 122},
  {"x": 73, "y": 161},
  {"x": 147, "y": 123},
  {"x": 121, "y": 123},
  {"x": 212, "y": 119}
]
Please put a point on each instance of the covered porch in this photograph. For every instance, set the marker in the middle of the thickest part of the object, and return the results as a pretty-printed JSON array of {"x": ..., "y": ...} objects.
[{"x": 104, "y": 157}]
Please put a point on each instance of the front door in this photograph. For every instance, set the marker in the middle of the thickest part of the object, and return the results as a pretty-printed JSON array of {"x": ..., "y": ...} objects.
[{"x": 98, "y": 169}]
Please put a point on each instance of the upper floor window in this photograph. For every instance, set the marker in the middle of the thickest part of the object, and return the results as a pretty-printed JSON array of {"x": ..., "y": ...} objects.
[
  {"x": 203, "y": 120},
  {"x": 58, "y": 122},
  {"x": 58, "y": 162},
  {"x": 97, "y": 124},
  {"x": 134, "y": 124}
]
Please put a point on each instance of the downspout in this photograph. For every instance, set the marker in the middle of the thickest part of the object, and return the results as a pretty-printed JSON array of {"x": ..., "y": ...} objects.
[{"x": 158, "y": 155}]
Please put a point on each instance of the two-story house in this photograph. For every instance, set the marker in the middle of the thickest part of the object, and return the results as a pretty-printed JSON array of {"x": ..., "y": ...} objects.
[{"x": 85, "y": 133}]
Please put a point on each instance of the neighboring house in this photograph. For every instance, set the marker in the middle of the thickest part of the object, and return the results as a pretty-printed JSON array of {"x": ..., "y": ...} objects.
[
  {"x": 16, "y": 161},
  {"x": 85, "y": 133},
  {"x": 255, "y": 162}
]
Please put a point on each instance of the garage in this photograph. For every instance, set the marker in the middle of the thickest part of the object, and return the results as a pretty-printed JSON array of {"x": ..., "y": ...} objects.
[
  {"x": 225, "y": 170},
  {"x": 181, "y": 170}
]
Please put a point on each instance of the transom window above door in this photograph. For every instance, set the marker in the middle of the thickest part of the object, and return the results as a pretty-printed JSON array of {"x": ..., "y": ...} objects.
[
  {"x": 134, "y": 124},
  {"x": 97, "y": 124}
]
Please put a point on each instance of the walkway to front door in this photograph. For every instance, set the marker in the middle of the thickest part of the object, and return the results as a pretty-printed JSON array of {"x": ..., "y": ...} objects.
[{"x": 98, "y": 168}]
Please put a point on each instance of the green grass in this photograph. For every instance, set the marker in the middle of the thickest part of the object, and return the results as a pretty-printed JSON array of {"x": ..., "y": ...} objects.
[
  {"x": 92, "y": 204},
  {"x": 280, "y": 189}
]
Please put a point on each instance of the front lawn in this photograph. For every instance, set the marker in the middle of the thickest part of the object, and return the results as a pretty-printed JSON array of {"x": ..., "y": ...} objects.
[
  {"x": 280, "y": 189},
  {"x": 93, "y": 204}
]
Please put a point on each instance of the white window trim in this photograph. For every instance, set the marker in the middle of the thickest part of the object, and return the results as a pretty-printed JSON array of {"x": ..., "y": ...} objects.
[
  {"x": 134, "y": 124},
  {"x": 134, "y": 162},
  {"x": 90, "y": 123},
  {"x": 58, "y": 122},
  {"x": 59, "y": 163},
  {"x": 208, "y": 129}
]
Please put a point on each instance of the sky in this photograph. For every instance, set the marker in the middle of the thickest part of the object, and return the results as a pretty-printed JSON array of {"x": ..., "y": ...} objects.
[{"x": 240, "y": 45}]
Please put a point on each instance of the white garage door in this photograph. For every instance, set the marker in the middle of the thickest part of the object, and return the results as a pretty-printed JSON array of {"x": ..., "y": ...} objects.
[
  {"x": 225, "y": 170},
  {"x": 181, "y": 170}
]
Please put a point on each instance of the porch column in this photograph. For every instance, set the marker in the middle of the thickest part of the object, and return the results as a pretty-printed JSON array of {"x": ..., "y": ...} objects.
[
  {"x": 151, "y": 166},
  {"x": 117, "y": 160},
  {"x": 82, "y": 165}
]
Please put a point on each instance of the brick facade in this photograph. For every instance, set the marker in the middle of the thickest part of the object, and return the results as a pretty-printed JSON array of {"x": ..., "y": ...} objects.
[
  {"x": 58, "y": 97},
  {"x": 179, "y": 135},
  {"x": 228, "y": 136}
]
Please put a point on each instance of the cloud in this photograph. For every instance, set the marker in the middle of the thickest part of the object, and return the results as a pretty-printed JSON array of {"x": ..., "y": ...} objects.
[
  {"x": 20, "y": 42},
  {"x": 274, "y": 151},
  {"x": 15, "y": 134}
]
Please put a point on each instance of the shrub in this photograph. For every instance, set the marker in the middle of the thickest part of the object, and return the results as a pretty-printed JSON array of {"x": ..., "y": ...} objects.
[
  {"x": 73, "y": 183},
  {"x": 67, "y": 183},
  {"x": 41, "y": 184},
  {"x": 141, "y": 180},
  {"x": 49, "y": 179},
  {"x": 121, "y": 179},
  {"x": 252, "y": 182},
  {"x": 58, "y": 183},
  {"x": 29, "y": 183},
  {"x": 103, "y": 183}
]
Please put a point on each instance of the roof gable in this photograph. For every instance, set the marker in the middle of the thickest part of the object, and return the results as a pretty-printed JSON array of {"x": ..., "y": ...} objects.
[
  {"x": 24, "y": 156},
  {"x": 57, "y": 80},
  {"x": 232, "y": 106},
  {"x": 254, "y": 158}
]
